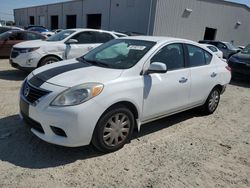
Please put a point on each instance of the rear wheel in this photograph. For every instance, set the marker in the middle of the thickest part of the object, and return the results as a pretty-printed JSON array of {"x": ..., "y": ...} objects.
[
  {"x": 114, "y": 129},
  {"x": 48, "y": 60},
  {"x": 212, "y": 101}
]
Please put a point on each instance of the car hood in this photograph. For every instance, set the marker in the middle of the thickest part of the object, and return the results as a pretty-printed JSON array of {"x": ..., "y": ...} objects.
[
  {"x": 242, "y": 57},
  {"x": 72, "y": 72},
  {"x": 33, "y": 44}
]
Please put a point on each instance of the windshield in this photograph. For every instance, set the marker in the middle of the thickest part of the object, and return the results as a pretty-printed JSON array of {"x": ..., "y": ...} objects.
[
  {"x": 246, "y": 50},
  {"x": 60, "y": 36},
  {"x": 230, "y": 45},
  {"x": 5, "y": 35},
  {"x": 119, "y": 53}
]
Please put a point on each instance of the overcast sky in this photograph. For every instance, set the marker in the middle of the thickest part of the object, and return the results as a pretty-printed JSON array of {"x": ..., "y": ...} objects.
[{"x": 7, "y": 6}]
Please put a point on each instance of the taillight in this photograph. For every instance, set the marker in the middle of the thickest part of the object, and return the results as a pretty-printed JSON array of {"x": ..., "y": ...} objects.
[{"x": 228, "y": 68}]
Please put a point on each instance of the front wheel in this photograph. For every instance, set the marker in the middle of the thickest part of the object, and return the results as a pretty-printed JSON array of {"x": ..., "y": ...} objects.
[
  {"x": 114, "y": 129},
  {"x": 212, "y": 102},
  {"x": 48, "y": 60}
]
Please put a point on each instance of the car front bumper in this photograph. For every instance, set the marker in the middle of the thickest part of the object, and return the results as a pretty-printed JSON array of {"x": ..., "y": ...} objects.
[
  {"x": 25, "y": 61},
  {"x": 70, "y": 126}
]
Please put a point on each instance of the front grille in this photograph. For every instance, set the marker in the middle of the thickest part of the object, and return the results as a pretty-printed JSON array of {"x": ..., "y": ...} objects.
[
  {"x": 32, "y": 94},
  {"x": 32, "y": 123}
]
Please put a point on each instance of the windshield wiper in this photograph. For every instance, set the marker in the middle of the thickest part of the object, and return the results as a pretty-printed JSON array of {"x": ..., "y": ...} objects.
[{"x": 92, "y": 62}]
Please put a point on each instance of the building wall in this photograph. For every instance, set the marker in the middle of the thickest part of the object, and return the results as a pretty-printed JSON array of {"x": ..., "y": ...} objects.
[
  {"x": 167, "y": 17},
  {"x": 122, "y": 15},
  {"x": 55, "y": 10},
  {"x": 170, "y": 20},
  {"x": 130, "y": 15}
]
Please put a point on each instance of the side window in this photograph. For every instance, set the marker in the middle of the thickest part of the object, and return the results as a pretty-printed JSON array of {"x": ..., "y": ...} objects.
[
  {"x": 32, "y": 36},
  {"x": 172, "y": 55},
  {"x": 16, "y": 36},
  {"x": 221, "y": 46},
  {"x": 208, "y": 57},
  {"x": 198, "y": 56},
  {"x": 103, "y": 37},
  {"x": 85, "y": 37}
]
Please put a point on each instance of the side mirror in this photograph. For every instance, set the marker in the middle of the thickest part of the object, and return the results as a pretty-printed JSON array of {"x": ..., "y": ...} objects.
[
  {"x": 157, "y": 67},
  {"x": 71, "y": 41}
]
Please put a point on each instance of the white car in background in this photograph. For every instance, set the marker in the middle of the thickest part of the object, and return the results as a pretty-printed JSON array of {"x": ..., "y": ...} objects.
[
  {"x": 102, "y": 96},
  {"x": 67, "y": 44},
  {"x": 214, "y": 50},
  {"x": 48, "y": 33}
]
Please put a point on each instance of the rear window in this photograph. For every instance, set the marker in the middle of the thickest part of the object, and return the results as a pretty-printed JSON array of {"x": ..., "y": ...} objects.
[
  {"x": 213, "y": 49},
  {"x": 198, "y": 56},
  {"x": 3, "y": 29}
]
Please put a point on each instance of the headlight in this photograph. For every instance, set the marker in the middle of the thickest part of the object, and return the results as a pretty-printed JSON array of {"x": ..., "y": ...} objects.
[
  {"x": 78, "y": 94},
  {"x": 26, "y": 50}
]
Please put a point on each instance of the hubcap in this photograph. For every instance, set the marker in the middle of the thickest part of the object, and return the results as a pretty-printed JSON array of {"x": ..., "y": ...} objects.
[
  {"x": 116, "y": 130},
  {"x": 213, "y": 101},
  {"x": 50, "y": 61}
]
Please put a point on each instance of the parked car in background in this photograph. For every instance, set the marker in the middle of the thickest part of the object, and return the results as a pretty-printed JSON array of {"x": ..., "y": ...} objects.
[
  {"x": 48, "y": 33},
  {"x": 227, "y": 48},
  {"x": 240, "y": 63},
  {"x": 67, "y": 44},
  {"x": 122, "y": 84},
  {"x": 10, "y": 38},
  {"x": 38, "y": 29},
  {"x": 241, "y": 47},
  {"x": 37, "y": 26},
  {"x": 8, "y": 28},
  {"x": 214, "y": 50},
  {"x": 57, "y": 30}
]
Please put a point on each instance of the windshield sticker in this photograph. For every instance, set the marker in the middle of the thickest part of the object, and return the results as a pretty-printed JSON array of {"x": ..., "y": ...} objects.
[
  {"x": 134, "y": 47},
  {"x": 66, "y": 34}
]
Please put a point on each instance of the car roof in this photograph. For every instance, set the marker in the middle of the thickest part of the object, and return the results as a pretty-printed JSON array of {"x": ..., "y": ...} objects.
[
  {"x": 22, "y": 31},
  {"x": 86, "y": 29},
  {"x": 158, "y": 39}
]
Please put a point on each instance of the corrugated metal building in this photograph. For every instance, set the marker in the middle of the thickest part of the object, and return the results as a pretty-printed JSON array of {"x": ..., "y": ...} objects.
[{"x": 191, "y": 19}]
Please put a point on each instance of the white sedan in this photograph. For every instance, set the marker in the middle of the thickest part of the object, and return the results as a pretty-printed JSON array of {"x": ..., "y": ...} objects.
[
  {"x": 121, "y": 85},
  {"x": 214, "y": 49},
  {"x": 68, "y": 44}
]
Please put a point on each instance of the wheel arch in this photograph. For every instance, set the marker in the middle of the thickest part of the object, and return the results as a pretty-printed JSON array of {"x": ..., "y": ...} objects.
[
  {"x": 219, "y": 86},
  {"x": 131, "y": 106},
  {"x": 49, "y": 55}
]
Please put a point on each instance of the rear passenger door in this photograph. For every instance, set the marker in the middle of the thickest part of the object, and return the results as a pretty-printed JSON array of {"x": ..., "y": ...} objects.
[
  {"x": 203, "y": 73},
  {"x": 169, "y": 92}
]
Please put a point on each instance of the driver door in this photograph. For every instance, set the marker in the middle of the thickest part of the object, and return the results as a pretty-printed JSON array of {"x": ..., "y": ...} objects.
[{"x": 169, "y": 92}]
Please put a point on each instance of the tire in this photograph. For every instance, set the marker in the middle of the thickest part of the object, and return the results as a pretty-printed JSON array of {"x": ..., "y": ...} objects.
[
  {"x": 212, "y": 102},
  {"x": 108, "y": 136},
  {"x": 48, "y": 60}
]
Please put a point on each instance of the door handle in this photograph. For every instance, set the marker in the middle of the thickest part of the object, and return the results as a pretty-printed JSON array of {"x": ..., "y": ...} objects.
[
  {"x": 183, "y": 80},
  {"x": 213, "y": 75}
]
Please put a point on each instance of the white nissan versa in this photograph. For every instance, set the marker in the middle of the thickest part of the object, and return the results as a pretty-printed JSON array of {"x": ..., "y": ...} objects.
[
  {"x": 68, "y": 44},
  {"x": 102, "y": 96}
]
